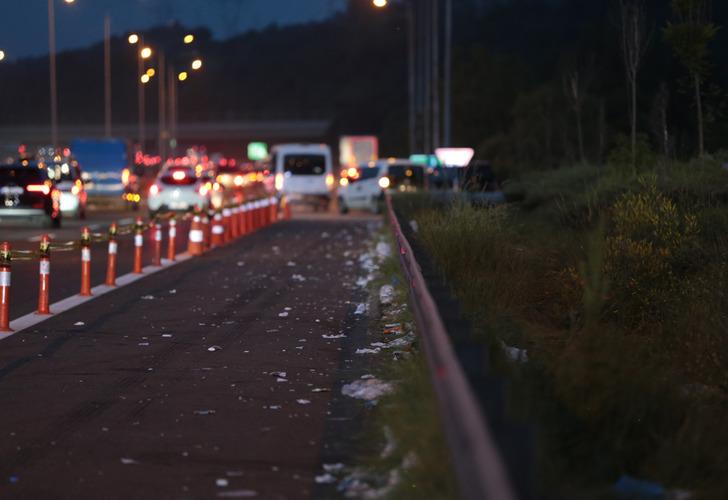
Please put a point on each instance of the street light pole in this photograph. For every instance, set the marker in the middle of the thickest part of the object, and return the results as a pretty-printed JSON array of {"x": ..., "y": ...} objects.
[
  {"x": 411, "y": 50},
  {"x": 140, "y": 97},
  {"x": 53, "y": 82},
  {"x": 162, "y": 140},
  {"x": 448, "y": 74},
  {"x": 107, "y": 76},
  {"x": 436, "y": 81}
]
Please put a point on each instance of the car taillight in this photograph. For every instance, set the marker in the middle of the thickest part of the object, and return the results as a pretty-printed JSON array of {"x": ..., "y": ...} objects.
[
  {"x": 154, "y": 190},
  {"x": 330, "y": 180},
  {"x": 204, "y": 189},
  {"x": 38, "y": 188},
  {"x": 279, "y": 182}
]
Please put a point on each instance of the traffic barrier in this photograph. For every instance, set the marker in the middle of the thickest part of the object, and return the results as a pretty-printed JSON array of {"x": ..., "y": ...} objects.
[
  {"x": 206, "y": 223},
  {"x": 218, "y": 231},
  {"x": 172, "y": 239},
  {"x": 227, "y": 235},
  {"x": 111, "y": 259},
  {"x": 243, "y": 219},
  {"x": 273, "y": 209},
  {"x": 138, "y": 245},
  {"x": 195, "y": 239},
  {"x": 44, "y": 286},
  {"x": 156, "y": 229},
  {"x": 286, "y": 208},
  {"x": 5, "y": 257},
  {"x": 235, "y": 220},
  {"x": 85, "y": 262}
]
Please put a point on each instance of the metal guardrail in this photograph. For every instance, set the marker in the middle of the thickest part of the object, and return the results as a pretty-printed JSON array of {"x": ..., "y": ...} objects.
[{"x": 479, "y": 467}]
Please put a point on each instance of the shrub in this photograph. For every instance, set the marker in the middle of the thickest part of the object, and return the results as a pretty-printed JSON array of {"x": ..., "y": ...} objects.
[{"x": 620, "y": 156}]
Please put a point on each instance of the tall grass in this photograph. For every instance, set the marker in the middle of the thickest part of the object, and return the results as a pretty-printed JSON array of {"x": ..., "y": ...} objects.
[{"x": 617, "y": 285}]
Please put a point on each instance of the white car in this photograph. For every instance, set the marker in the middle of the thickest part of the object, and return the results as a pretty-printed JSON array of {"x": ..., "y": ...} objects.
[
  {"x": 304, "y": 173},
  {"x": 178, "y": 189},
  {"x": 68, "y": 180},
  {"x": 363, "y": 188}
]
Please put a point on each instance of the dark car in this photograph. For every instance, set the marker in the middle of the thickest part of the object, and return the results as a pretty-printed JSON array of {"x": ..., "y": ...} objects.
[{"x": 27, "y": 195}]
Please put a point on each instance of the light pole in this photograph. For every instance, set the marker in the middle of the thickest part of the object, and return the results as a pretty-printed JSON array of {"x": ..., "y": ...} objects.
[
  {"x": 53, "y": 76},
  {"x": 107, "y": 76},
  {"x": 2, "y": 55},
  {"x": 143, "y": 53},
  {"x": 447, "y": 87}
]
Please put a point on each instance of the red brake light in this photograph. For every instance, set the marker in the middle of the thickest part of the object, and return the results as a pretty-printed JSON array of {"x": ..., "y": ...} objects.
[{"x": 38, "y": 188}]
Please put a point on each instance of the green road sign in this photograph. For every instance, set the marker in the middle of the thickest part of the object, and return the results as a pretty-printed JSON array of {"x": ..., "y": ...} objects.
[{"x": 257, "y": 151}]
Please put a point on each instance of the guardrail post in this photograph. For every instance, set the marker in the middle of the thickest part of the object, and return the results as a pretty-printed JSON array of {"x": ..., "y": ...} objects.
[
  {"x": 85, "y": 262},
  {"x": 5, "y": 258},
  {"x": 138, "y": 245},
  {"x": 44, "y": 275},
  {"x": 111, "y": 259}
]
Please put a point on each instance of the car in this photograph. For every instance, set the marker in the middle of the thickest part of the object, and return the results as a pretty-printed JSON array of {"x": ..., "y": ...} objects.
[
  {"x": 68, "y": 180},
  {"x": 363, "y": 189},
  {"x": 28, "y": 195},
  {"x": 304, "y": 173},
  {"x": 179, "y": 189}
]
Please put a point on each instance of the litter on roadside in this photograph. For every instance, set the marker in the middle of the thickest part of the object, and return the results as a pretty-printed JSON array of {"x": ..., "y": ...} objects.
[
  {"x": 386, "y": 294},
  {"x": 368, "y": 390},
  {"x": 393, "y": 329},
  {"x": 204, "y": 413}
]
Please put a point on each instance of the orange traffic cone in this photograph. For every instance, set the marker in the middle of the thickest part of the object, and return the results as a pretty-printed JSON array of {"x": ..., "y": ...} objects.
[{"x": 196, "y": 238}]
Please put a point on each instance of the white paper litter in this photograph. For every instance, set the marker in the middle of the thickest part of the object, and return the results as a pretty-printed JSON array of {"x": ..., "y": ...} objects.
[
  {"x": 298, "y": 277},
  {"x": 148, "y": 297},
  {"x": 368, "y": 390},
  {"x": 366, "y": 350},
  {"x": 303, "y": 401},
  {"x": 384, "y": 250},
  {"x": 128, "y": 461},
  {"x": 283, "y": 315},
  {"x": 514, "y": 353},
  {"x": 214, "y": 348},
  {"x": 204, "y": 413},
  {"x": 339, "y": 336},
  {"x": 386, "y": 294},
  {"x": 361, "y": 309},
  {"x": 325, "y": 479},
  {"x": 221, "y": 482},
  {"x": 79, "y": 323},
  {"x": 338, "y": 467}
]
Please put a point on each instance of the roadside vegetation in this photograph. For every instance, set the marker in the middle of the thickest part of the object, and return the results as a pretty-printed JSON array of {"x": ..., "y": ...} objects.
[
  {"x": 615, "y": 282},
  {"x": 412, "y": 461}
]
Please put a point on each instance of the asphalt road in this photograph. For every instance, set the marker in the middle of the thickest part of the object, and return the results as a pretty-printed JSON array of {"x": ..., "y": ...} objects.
[{"x": 171, "y": 387}]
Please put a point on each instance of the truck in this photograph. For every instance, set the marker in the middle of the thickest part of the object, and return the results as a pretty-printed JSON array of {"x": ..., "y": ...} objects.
[
  {"x": 107, "y": 172},
  {"x": 357, "y": 150}
]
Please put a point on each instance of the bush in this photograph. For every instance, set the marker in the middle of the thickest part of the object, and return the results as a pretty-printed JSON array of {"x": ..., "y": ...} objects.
[{"x": 620, "y": 156}]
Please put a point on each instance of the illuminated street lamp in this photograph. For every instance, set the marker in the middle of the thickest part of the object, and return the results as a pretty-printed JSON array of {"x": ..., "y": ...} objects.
[
  {"x": 380, "y": 3},
  {"x": 197, "y": 64},
  {"x": 2, "y": 55},
  {"x": 133, "y": 39},
  {"x": 188, "y": 39},
  {"x": 182, "y": 76},
  {"x": 146, "y": 53},
  {"x": 145, "y": 78},
  {"x": 151, "y": 72}
]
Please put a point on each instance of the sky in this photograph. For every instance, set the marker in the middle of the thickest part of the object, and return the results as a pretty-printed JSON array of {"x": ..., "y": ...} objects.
[{"x": 24, "y": 23}]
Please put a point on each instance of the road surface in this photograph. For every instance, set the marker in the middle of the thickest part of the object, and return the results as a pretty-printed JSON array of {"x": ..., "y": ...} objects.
[{"x": 211, "y": 379}]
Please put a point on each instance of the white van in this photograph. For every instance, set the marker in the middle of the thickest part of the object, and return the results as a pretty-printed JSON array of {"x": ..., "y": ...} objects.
[{"x": 304, "y": 173}]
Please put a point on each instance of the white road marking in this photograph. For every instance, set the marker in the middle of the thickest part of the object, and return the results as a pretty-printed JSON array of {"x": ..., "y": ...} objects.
[
  {"x": 32, "y": 319},
  {"x": 36, "y": 239}
]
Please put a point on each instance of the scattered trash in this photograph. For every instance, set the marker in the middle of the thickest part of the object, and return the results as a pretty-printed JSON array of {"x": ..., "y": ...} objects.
[
  {"x": 303, "y": 401},
  {"x": 368, "y": 390},
  {"x": 393, "y": 329},
  {"x": 366, "y": 350},
  {"x": 514, "y": 353},
  {"x": 274, "y": 407},
  {"x": 128, "y": 461},
  {"x": 298, "y": 277},
  {"x": 148, "y": 297},
  {"x": 338, "y": 467},
  {"x": 167, "y": 335},
  {"x": 283, "y": 315},
  {"x": 415, "y": 227},
  {"x": 241, "y": 264},
  {"x": 367, "y": 376},
  {"x": 363, "y": 282},
  {"x": 79, "y": 323},
  {"x": 320, "y": 389},
  {"x": 290, "y": 263},
  {"x": 361, "y": 309},
  {"x": 279, "y": 374},
  {"x": 204, "y": 413},
  {"x": 214, "y": 348},
  {"x": 221, "y": 482},
  {"x": 173, "y": 291},
  {"x": 339, "y": 336},
  {"x": 325, "y": 479},
  {"x": 405, "y": 341},
  {"x": 143, "y": 344},
  {"x": 391, "y": 443},
  {"x": 384, "y": 250},
  {"x": 386, "y": 294}
]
